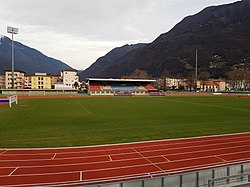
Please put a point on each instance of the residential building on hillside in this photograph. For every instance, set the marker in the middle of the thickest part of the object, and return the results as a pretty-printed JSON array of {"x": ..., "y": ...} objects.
[
  {"x": 40, "y": 81},
  {"x": 18, "y": 79}
]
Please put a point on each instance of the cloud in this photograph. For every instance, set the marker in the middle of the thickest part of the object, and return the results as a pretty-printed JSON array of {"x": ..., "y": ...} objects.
[{"x": 93, "y": 19}]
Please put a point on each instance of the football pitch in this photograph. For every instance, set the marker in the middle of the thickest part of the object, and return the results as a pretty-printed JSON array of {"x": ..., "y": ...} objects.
[{"x": 62, "y": 122}]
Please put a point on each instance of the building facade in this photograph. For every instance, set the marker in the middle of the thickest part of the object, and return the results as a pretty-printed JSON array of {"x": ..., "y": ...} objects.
[
  {"x": 40, "y": 81},
  {"x": 54, "y": 80},
  {"x": 212, "y": 85},
  {"x": 68, "y": 80},
  {"x": 2, "y": 81},
  {"x": 173, "y": 84},
  {"x": 27, "y": 82},
  {"x": 19, "y": 79}
]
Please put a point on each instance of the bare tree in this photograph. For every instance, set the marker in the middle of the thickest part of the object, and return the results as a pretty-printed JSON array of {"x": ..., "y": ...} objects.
[{"x": 239, "y": 79}]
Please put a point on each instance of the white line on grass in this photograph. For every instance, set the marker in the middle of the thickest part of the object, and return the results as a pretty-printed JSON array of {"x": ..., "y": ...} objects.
[
  {"x": 34, "y": 108},
  {"x": 83, "y": 107}
]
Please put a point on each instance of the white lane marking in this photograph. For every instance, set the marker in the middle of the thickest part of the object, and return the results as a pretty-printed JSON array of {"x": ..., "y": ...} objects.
[{"x": 13, "y": 171}]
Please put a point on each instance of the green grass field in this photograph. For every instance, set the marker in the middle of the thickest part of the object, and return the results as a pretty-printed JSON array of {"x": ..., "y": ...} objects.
[{"x": 60, "y": 122}]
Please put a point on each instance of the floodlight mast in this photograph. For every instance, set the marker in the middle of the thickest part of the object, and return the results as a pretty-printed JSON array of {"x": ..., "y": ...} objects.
[
  {"x": 196, "y": 68},
  {"x": 13, "y": 31}
]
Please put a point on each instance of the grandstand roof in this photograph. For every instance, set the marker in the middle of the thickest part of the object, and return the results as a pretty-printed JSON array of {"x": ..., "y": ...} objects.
[{"x": 120, "y": 80}]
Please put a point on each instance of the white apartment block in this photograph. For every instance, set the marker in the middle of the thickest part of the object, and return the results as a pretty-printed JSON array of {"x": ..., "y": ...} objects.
[
  {"x": 69, "y": 77},
  {"x": 19, "y": 79},
  {"x": 173, "y": 83}
]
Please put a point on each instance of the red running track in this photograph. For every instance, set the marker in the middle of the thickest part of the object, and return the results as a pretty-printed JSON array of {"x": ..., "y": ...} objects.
[{"x": 108, "y": 163}]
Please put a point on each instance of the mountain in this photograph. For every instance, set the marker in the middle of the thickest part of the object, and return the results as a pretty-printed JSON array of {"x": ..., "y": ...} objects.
[
  {"x": 102, "y": 63},
  {"x": 27, "y": 59},
  {"x": 220, "y": 33}
]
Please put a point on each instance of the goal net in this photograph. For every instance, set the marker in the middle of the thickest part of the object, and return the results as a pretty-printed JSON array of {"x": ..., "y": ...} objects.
[{"x": 12, "y": 99}]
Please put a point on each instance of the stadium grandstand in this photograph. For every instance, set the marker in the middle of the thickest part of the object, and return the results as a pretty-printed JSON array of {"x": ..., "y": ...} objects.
[{"x": 121, "y": 87}]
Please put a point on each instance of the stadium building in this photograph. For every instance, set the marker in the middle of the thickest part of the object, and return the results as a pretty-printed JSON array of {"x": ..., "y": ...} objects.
[{"x": 120, "y": 87}]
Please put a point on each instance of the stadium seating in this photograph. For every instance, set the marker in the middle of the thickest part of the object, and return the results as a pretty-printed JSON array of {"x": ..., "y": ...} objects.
[
  {"x": 106, "y": 88},
  {"x": 124, "y": 88},
  {"x": 141, "y": 88},
  {"x": 149, "y": 87},
  {"x": 95, "y": 87},
  {"x": 120, "y": 87}
]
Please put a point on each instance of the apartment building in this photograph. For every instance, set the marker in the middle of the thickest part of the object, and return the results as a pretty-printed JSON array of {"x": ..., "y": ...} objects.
[
  {"x": 2, "y": 81},
  {"x": 40, "y": 81},
  {"x": 212, "y": 85},
  {"x": 65, "y": 81},
  {"x": 18, "y": 79},
  {"x": 27, "y": 82},
  {"x": 54, "y": 80},
  {"x": 68, "y": 79}
]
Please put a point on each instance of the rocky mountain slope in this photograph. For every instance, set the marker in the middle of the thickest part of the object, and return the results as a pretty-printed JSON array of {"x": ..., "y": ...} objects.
[
  {"x": 27, "y": 59},
  {"x": 109, "y": 59},
  {"x": 220, "y": 33}
]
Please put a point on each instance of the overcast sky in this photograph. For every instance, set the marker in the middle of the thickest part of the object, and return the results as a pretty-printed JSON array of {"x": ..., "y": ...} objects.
[{"x": 78, "y": 32}]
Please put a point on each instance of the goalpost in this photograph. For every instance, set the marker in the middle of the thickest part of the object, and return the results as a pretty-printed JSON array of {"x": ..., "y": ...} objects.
[{"x": 12, "y": 99}]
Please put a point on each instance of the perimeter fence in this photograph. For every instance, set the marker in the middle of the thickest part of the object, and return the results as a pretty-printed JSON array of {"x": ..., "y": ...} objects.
[{"x": 228, "y": 176}]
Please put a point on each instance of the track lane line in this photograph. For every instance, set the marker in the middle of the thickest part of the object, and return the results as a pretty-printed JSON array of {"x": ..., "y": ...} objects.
[
  {"x": 172, "y": 171},
  {"x": 13, "y": 171},
  {"x": 170, "y": 154},
  {"x": 3, "y": 152},
  {"x": 220, "y": 158},
  {"x": 54, "y": 156},
  {"x": 213, "y": 137},
  {"x": 171, "y": 144},
  {"x": 175, "y": 148},
  {"x": 129, "y": 159},
  {"x": 166, "y": 158},
  {"x": 150, "y": 161},
  {"x": 190, "y": 168}
]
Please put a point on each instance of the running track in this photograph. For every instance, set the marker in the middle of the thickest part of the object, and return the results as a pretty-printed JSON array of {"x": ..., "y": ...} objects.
[{"x": 95, "y": 164}]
